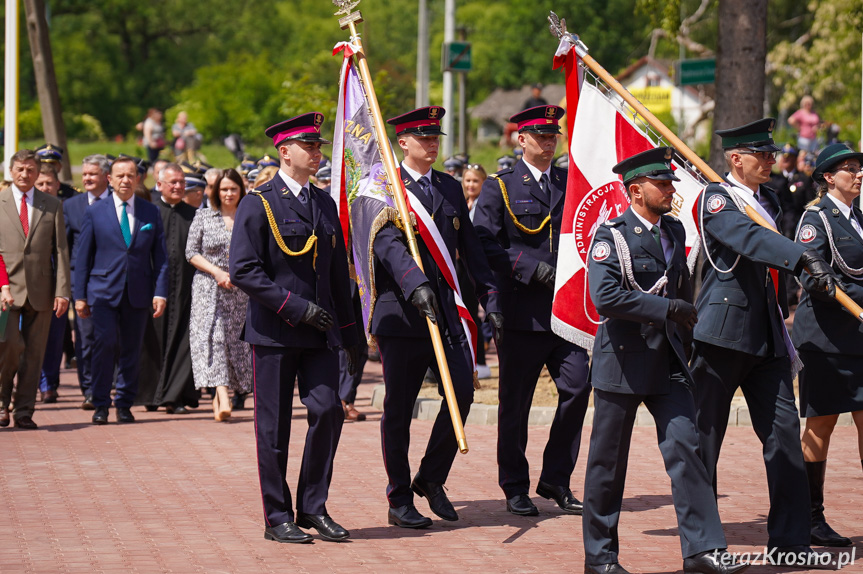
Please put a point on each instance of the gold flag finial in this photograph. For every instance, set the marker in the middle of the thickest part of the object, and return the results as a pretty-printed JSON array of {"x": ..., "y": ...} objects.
[{"x": 345, "y": 6}]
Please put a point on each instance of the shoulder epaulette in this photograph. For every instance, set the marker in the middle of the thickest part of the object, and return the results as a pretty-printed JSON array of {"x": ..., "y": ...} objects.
[
  {"x": 502, "y": 172},
  {"x": 814, "y": 208},
  {"x": 255, "y": 192},
  {"x": 612, "y": 222}
]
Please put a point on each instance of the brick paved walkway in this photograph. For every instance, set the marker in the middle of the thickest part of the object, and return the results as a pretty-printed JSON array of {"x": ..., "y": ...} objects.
[{"x": 180, "y": 494}]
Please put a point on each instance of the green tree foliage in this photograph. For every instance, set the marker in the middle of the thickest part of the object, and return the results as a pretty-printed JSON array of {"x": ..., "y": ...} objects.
[{"x": 824, "y": 61}]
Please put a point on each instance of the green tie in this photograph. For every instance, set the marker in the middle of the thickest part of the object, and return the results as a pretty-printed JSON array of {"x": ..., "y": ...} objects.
[
  {"x": 124, "y": 225},
  {"x": 655, "y": 231}
]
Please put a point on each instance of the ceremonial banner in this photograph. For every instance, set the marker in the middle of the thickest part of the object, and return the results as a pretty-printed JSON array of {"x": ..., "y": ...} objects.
[
  {"x": 600, "y": 137},
  {"x": 359, "y": 189}
]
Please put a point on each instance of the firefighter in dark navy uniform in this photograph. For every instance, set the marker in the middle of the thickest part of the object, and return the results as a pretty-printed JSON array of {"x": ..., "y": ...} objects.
[
  {"x": 406, "y": 296},
  {"x": 642, "y": 288},
  {"x": 288, "y": 255},
  {"x": 518, "y": 219},
  {"x": 740, "y": 339}
]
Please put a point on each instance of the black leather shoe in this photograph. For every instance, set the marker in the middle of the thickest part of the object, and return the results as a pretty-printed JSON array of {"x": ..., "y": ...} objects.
[
  {"x": 407, "y": 516},
  {"x": 181, "y": 410},
  {"x": 287, "y": 533},
  {"x": 613, "y": 568},
  {"x": 326, "y": 526},
  {"x": 562, "y": 496},
  {"x": 522, "y": 505},
  {"x": 717, "y": 561},
  {"x": 49, "y": 396},
  {"x": 25, "y": 423},
  {"x": 124, "y": 415},
  {"x": 100, "y": 417},
  {"x": 437, "y": 499},
  {"x": 800, "y": 556},
  {"x": 87, "y": 405}
]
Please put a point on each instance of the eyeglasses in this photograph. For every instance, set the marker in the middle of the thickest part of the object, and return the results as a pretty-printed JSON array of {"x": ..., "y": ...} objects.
[
  {"x": 850, "y": 169},
  {"x": 763, "y": 155}
]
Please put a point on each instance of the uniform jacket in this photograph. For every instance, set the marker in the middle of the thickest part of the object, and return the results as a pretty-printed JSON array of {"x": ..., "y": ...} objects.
[
  {"x": 31, "y": 262},
  {"x": 513, "y": 254},
  {"x": 738, "y": 310},
  {"x": 633, "y": 348},
  {"x": 105, "y": 267},
  {"x": 397, "y": 275},
  {"x": 820, "y": 323},
  {"x": 280, "y": 286}
]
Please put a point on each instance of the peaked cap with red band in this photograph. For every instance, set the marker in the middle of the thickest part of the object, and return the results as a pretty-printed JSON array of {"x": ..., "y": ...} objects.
[
  {"x": 540, "y": 120},
  {"x": 305, "y": 127},
  {"x": 421, "y": 122}
]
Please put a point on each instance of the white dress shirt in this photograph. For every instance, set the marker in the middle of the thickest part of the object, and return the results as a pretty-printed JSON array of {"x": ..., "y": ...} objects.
[
  {"x": 846, "y": 211},
  {"x": 92, "y": 198},
  {"x": 294, "y": 185},
  {"x": 130, "y": 210},
  {"x": 417, "y": 175},
  {"x": 16, "y": 194},
  {"x": 537, "y": 175}
]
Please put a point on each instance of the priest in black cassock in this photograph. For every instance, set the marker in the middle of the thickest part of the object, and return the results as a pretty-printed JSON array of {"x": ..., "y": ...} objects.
[{"x": 176, "y": 390}]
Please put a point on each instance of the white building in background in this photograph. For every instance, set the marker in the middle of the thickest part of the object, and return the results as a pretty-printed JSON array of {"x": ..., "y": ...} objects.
[{"x": 649, "y": 80}]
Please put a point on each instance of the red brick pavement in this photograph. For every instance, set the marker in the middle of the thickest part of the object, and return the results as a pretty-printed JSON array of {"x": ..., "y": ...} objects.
[{"x": 180, "y": 494}]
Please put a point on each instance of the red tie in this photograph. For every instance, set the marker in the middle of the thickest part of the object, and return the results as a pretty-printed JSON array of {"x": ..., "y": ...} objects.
[{"x": 25, "y": 220}]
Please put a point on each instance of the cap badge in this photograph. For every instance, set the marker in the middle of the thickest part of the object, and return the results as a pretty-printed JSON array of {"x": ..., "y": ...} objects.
[
  {"x": 770, "y": 129},
  {"x": 319, "y": 119},
  {"x": 433, "y": 112},
  {"x": 668, "y": 153},
  {"x": 550, "y": 112}
]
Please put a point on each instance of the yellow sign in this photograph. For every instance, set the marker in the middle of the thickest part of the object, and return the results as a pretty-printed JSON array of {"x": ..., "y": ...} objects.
[{"x": 654, "y": 98}]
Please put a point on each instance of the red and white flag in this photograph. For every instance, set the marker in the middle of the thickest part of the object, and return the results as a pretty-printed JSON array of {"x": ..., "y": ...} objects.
[{"x": 600, "y": 137}]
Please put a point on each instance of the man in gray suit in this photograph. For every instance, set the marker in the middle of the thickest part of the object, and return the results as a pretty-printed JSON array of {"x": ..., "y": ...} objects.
[{"x": 33, "y": 245}]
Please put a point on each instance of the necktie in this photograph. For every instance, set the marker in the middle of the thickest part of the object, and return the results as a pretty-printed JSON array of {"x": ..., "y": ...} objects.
[
  {"x": 424, "y": 186},
  {"x": 124, "y": 225},
  {"x": 304, "y": 199},
  {"x": 759, "y": 197},
  {"x": 543, "y": 183},
  {"x": 656, "y": 237},
  {"x": 24, "y": 215}
]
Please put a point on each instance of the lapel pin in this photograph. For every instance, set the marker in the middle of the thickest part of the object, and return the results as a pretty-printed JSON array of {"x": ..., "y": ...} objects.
[
  {"x": 638, "y": 230},
  {"x": 835, "y": 211}
]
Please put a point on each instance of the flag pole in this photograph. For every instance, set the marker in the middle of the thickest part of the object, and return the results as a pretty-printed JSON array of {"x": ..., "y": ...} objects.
[
  {"x": 560, "y": 31},
  {"x": 349, "y": 22}
]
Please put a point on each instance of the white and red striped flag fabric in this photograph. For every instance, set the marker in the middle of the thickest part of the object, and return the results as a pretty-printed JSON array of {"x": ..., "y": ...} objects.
[{"x": 600, "y": 136}]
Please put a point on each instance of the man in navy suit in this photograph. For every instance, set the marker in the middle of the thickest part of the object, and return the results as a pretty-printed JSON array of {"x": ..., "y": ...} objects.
[
  {"x": 640, "y": 355},
  {"x": 518, "y": 219},
  {"x": 406, "y": 296},
  {"x": 94, "y": 179},
  {"x": 288, "y": 254},
  {"x": 121, "y": 270},
  {"x": 740, "y": 339}
]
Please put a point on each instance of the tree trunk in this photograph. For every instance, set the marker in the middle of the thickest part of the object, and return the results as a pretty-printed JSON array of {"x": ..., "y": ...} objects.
[
  {"x": 740, "y": 62},
  {"x": 46, "y": 81}
]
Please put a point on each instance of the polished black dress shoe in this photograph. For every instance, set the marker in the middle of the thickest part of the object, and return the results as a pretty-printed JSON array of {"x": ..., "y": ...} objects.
[
  {"x": 407, "y": 516},
  {"x": 717, "y": 561},
  {"x": 562, "y": 496},
  {"x": 328, "y": 528},
  {"x": 823, "y": 535},
  {"x": 25, "y": 423},
  {"x": 124, "y": 415},
  {"x": 613, "y": 568},
  {"x": 87, "y": 405},
  {"x": 100, "y": 417},
  {"x": 238, "y": 401},
  {"x": 437, "y": 499},
  {"x": 181, "y": 410},
  {"x": 522, "y": 505},
  {"x": 287, "y": 533}
]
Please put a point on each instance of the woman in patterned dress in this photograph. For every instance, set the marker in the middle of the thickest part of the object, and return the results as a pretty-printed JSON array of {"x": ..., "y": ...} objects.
[{"x": 219, "y": 358}]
